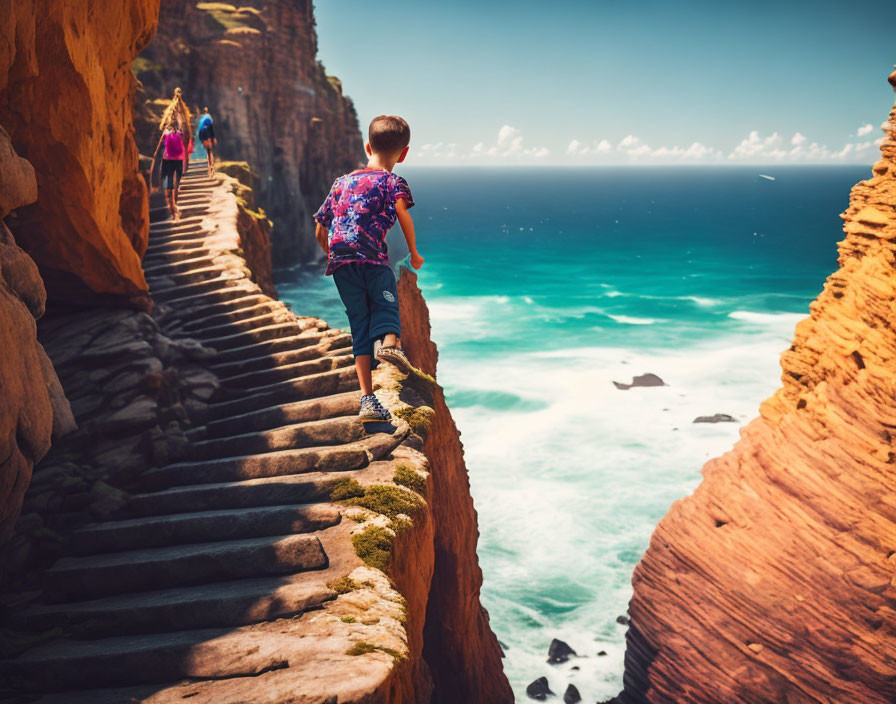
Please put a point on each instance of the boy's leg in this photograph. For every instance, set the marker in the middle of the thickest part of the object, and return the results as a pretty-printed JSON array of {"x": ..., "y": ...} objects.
[
  {"x": 353, "y": 293},
  {"x": 385, "y": 321},
  {"x": 365, "y": 380}
]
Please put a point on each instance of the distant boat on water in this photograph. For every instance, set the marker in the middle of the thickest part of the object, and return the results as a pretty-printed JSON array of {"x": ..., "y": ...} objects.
[{"x": 767, "y": 177}]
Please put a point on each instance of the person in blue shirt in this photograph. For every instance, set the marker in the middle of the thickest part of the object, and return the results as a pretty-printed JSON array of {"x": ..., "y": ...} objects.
[{"x": 207, "y": 137}]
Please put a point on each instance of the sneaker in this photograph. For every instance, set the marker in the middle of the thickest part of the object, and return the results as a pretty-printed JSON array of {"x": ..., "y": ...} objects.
[
  {"x": 394, "y": 355},
  {"x": 373, "y": 410}
]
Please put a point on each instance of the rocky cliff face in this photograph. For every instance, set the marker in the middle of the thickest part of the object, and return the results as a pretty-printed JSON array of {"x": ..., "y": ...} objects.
[
  {"x": 255, "y": 68},
  {"x": 462, "y": 652},
  {"x": 774, "y": 581},
  {"x": 65, "y": 97},
  {"x": 34, "y": 408}
]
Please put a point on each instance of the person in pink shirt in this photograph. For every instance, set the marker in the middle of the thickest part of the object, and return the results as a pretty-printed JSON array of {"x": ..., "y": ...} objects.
[{"x": 172, "y": 164}]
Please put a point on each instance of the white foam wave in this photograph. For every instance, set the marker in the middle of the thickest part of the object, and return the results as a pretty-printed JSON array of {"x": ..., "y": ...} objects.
[
  {"x": 569, "y": 491},
  {"x": 766, "y": 318},
  {"x": 632, "y": 320}
]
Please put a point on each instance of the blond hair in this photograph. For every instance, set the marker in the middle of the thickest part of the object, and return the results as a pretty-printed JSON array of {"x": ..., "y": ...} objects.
[{"x": 178, "y": 112}]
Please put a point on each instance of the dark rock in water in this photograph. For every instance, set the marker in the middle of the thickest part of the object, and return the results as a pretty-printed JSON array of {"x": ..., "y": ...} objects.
[
  {"x": 601, "y": 653},
  {"x": 539, "y": 690},
  {"x": 503, "y": 646},
  {"x": 559, "y": 652},
  {"x": 571, "y": 696},
  {"x": 575, "y": 667},
  {"x": 624, "y": 620},
  {"x": 642, "y": 380},
  {"x": 717, "y": 418}
]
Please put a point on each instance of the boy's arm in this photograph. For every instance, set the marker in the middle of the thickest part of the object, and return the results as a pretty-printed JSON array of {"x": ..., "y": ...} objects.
[
  {"x": 320, "y": 234},
  {"x": 407, "y": 227}
]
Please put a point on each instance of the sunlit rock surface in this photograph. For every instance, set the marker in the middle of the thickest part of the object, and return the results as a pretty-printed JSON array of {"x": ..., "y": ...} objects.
[
  {"x": 774, "y": 581},
  {"x": 65, "y": 87}
]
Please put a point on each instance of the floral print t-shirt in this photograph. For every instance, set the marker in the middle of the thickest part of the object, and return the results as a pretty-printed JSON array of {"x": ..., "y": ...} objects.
[{"x": 358, "y": 213}]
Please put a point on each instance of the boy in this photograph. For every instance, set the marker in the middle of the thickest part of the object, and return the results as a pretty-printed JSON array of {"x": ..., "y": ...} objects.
[{"x": 351, "y": 229}]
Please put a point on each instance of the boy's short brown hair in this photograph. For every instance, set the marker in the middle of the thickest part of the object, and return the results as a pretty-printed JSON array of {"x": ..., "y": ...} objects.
[{"x": 388, "y": 134}]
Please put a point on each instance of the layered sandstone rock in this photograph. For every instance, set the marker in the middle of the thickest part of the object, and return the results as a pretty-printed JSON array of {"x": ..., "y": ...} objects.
[
  {"x": 32, "y": 406},
  {"x": 461, "y": 650},
  {"x": 774, "y": 581},
  {"x": 255, "y": 67},
  {"x": 65, "y": 99}
]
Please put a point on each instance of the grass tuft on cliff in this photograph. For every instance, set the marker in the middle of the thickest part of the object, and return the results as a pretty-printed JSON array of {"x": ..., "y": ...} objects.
[
  {"x": 345, "y": 489},
  {"x": 363, "y": 647},
  {"x": 343, "y": 585},
  {"x": 419, "y": 418},
  {"x": 387, "y": 500},
  {"x": 374, "y": 546},
  {"x": 407, "y": 476}
]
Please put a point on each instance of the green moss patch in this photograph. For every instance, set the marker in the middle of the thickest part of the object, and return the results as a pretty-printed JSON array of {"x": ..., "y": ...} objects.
[
  {"x": 419, "y": 418},
  {"x": 345, "y": 489},
  {"x": 374, "y": 546},
  {"x": 363, "y": 647},
  {"x": 347, "y": 619},
  {"x": 343, "y": 585},
  {"x": 405, "y": 475},
  {"x": 387, "y": 500}
]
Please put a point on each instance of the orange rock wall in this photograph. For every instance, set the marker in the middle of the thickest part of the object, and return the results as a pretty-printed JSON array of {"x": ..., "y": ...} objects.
[
  {"x": 774, "y": 581},
  {"x": 462, "y": 652},
  {"x": 33, "y": 407},
  {"x": 66, "y": 90}
]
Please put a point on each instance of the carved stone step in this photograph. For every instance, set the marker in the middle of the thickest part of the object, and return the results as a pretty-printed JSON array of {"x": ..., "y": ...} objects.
[
  {"x": 159, "y": 657},
  {"x": 327, "y": 345},
  {"x": 261, "y": 320},
  {"x": 328, "y": 458},
  {"x": 176, "y": 265},
  {"x": 234, "y": 315},
  {"x": 234, "y": 603},
  {"x": 344, "y": 404},
  {"x": 267, "y": 379},
  {"x": 314, "y": 386},
  {"x": 282, "y": 344},
  {"x": 271, "y": 491},
  {"x": 316, "y": 433},
  {"x": 201, "y": 527},
  {"x": 166, "y": 288},
  {"x": 235, "y": 338},
  {"x": 171, "y": 566}
]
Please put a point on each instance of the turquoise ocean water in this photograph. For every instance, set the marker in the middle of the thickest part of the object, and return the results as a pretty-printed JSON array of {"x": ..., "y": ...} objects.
[{"x": 544, "y": 286}]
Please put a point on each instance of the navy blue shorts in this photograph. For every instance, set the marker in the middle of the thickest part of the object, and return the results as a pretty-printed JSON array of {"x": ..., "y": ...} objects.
[{"x": 370, "y": 297}]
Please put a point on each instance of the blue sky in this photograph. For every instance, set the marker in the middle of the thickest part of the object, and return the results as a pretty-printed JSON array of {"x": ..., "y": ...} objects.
[{"x": 618, "y": 82}]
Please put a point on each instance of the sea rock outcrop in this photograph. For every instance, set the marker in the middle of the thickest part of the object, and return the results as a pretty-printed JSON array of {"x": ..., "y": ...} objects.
[
  {"x": 65, "y": 100},
  {"x": 254, "y": 65},
  {"x": 774, "y": 582},
  {"x": 33, "y": 408}
]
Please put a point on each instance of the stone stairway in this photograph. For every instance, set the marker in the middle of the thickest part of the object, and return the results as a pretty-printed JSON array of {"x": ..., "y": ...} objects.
[{"x": 211, "y": 582}]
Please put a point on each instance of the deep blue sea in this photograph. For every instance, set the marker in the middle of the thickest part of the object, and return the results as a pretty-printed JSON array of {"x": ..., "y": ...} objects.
[{"x": 545, "y": 286}]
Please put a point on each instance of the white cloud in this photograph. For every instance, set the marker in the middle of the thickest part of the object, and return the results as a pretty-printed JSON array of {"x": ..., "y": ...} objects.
[
  {"x": 577, "y": 148},
  {"x": 864, "y": 129},
  {"x": 509, "y": 145},
  {"x": 758, "y": 149},
  {"x": 628, "y": 142},
  {"x": 440, "y": 151}
]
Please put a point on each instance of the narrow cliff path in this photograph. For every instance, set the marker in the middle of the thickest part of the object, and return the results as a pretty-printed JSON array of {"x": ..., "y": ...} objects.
[{"x": 214, "y": 575}]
